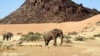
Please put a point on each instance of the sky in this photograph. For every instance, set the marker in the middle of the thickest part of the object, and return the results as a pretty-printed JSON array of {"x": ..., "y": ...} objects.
[{"x": 8, "y": 6}]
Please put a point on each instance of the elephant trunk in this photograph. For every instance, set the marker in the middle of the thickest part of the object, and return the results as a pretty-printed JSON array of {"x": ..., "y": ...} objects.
[{"x": 61, "y": 39}]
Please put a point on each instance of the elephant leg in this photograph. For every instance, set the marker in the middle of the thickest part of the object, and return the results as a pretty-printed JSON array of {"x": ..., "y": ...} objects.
[
  {"x": 55, "y": 42},
  {"x": 10, "y": 38},
  {"x": 3, "y": 37},
  {"x": 47, "y": 42},
  {"x": 7, "y": 38}
]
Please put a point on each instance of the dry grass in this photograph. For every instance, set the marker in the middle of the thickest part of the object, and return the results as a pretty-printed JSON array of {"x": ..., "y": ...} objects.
[{"x": 77, "y": 48}]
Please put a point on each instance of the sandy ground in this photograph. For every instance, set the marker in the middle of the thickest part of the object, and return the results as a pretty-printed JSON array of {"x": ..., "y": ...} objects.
[
  {"x": 76, "y": 48},
  {"x": 88, "y": 48},
  {"x": 66, "y": 27}
]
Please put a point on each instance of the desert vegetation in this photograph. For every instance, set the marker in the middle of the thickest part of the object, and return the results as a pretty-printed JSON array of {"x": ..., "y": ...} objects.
[
  {"x": 80, "y": 38},
  {"x": 34, "y": 17},
  {"x": 98, "y": 23},
  {"x": 91, "y": 38},
  {"x": 32, "y": 37},
  {"x": 34, "y": 44},
  {"x": 97, "y": 35},
  {"x": 72, "y": 41},
  {"x": 4, "y": 46},
  {"x": 72, "y": 33},
  {"x": 67, "y": 38}
]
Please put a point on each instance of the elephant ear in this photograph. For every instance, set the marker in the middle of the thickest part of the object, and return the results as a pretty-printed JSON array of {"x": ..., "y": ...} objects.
[
  {"x": 55, "y": 32},
  {"x": 11, "y": 34}
]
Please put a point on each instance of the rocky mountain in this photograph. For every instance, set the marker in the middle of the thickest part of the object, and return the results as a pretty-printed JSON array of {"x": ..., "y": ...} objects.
[{"x": 48, "y": 11}]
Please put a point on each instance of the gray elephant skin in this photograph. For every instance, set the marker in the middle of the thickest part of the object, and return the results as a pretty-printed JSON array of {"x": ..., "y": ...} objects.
[
  {"x": 7, "y": 36},
  {"x": 53, "y": 35}
]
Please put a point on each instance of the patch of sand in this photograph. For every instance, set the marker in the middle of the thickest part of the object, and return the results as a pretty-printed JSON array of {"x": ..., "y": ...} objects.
[
  {"x": 66, "y": 26},
  {"x": 77, "y": 48}
]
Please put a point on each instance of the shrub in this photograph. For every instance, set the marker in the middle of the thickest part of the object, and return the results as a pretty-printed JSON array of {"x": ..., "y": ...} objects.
[
  {"x": 86, "y": 27},
  {"x": 30, "y": 33},
  {"x": 98, "y": 23},
  {"x": 31, "y": 37},
  {"x": 27, "y": 38},
  {"x": 72, "y": 33},
  {"x": 68, "y": 41},
  {"x": 19, "y": 33},
  {"x": 6, "y": 46},
  {"x": 80, "y": 38},
  {"x": 92, "y": 38},
  {"x": 97, "y": 35},
  {"x": 67, "y": 36}
]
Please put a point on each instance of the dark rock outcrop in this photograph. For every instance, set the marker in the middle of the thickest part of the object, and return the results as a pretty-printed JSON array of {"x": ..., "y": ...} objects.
[{"x": 47, "y": 11}]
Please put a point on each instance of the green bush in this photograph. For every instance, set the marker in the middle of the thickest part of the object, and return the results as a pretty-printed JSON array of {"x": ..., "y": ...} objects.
[
  {"x": 97, "y": 35},
  {"x": 30, "y": 33},
  {"x": 72, "y": 33},
  {"x": 98, "y": 23},
  {"x": 6, "y": 46},
  {"x": 92, "y": 38},
  {"x": 31, "y": 37},
  {"x": 68, "y": 41},
  {"x": 20, "y": 33},
  {"x": 79, "y": 38},
  {"x": 67, "y": 36},
  {"x": 37, "y": 36}
]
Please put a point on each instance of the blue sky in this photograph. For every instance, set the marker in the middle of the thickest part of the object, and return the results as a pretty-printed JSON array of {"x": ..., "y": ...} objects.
[
  {"x": 8, "y": 6},
  {"x": 89, "y": 3}
]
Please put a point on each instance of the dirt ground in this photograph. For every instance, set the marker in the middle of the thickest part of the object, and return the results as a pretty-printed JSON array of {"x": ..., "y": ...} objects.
[
  {"x": 43, "y": 27},
  {"x": 77, "y": 48}
]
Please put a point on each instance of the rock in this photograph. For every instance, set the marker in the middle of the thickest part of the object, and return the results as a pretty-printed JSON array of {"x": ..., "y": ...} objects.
[{"x": 47, "y": 11}]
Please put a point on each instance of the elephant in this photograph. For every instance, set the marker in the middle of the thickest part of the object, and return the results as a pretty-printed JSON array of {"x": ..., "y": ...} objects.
[
  {"x": 53, "y": 35},
  {"x": 7, "y": 36}
]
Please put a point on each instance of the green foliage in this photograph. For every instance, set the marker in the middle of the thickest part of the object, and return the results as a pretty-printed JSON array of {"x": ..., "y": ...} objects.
[
  {"x": 97, "y": 35},
  {"x": 92, "y": 38},
  {"x": 79, "y": 38},
  {"x": 30, "y": 33},
  {"x": 67, "y": 38},
  {"x": 19, "y": 33},
  {"x": 72, "y": 33},
  {"x": 6, "y": 46},
  {"x": 98, "y": 23},
  {"x": 68, "y": 41},
  {"x": 86, "y": 27},
  {"x": 31, "y": 37}
]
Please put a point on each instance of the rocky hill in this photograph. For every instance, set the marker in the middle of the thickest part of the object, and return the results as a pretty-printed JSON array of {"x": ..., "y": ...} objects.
[{"x": 47, "y": 11}]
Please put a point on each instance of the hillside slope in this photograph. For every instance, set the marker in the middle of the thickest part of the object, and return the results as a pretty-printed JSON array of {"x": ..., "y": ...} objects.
[
  {"x": 48, "y": 11},
  {"x": 66, "y": 26}
]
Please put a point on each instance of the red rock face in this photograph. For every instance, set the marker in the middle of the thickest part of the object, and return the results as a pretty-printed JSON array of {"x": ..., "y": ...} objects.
[{"x": 47, "y": 11}]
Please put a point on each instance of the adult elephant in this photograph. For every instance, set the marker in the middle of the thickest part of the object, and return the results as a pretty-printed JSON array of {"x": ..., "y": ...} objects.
[
  {"x": 7, "y": 36},
  {"x": 52, "y": 35}
]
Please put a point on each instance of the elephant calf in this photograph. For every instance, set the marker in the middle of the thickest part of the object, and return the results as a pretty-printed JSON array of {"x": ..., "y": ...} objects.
[
  {"x": 7, "y": 36},
  {"x": 52, "y": 35}
]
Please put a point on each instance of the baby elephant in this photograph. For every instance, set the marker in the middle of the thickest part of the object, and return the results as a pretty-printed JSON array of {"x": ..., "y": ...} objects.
[
  {"x": 7, "y": 36},
  {"x": 52, "y": 35}
]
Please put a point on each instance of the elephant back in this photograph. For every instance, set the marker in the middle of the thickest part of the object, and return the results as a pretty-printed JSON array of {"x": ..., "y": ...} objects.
[{"x": 7, "y": 34}]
